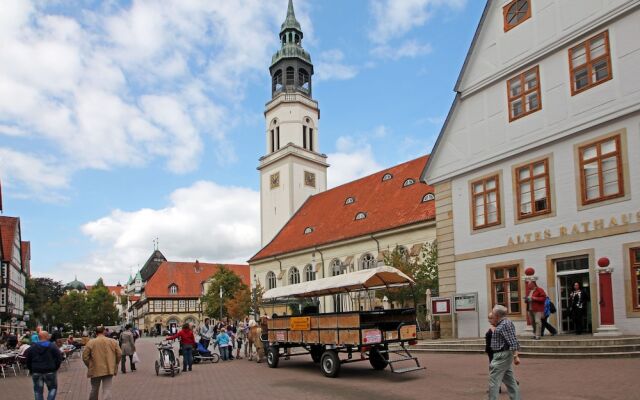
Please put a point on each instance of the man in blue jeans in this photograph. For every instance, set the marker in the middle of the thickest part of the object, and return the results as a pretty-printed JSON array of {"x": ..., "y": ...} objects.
[{"x": 43, "y": 361}]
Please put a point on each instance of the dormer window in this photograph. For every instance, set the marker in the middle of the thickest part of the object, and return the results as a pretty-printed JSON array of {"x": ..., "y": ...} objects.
[
  {"x": 350, "y": 200},
  {"x": 386, "y": 177},
  {"x": 173, "y": 289},
  {"x": 361, "y": 215},
  {"x": 516, "y": 12},
  {"x": 408, "y": 182},
  {"x": 428, "y": 197},
  {"x": 308, "y": 230}
]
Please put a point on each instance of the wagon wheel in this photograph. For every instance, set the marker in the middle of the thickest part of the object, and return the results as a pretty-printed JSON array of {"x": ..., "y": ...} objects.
[
  {"x": 157, "y": 368},
  {"x": 316, "y": 353},
  {"x": 379, "y": 361},
  {"x": 215, "y": 357},
  {"x": 273, "y": 356},
  {"x": 330, "y": 364}
]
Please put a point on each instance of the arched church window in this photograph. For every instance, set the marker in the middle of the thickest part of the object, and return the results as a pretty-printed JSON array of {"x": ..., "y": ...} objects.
[
  {"x": 337, "y": 268},
  {"x": 290, "y": 76},
  {"x": 271, "y": 280},
  {"x": 277, "y": 81},
  {"x": 367, "y": 261},
  {"x": 294, "y": 276},
  {"x": 309, "y": 274},
  {"x": 297, "y": 39}
]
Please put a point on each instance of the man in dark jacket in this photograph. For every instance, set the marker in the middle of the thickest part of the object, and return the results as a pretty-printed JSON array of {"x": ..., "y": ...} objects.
[{"x": 43, "y": 361}]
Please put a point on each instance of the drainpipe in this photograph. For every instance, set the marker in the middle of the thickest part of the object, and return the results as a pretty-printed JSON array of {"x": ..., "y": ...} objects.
[
  {"x": 324, "y": 298},
  {"x": 377, "y": 244}
]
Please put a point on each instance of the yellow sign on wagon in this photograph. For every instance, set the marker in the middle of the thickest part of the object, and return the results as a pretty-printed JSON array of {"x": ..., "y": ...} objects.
[{"x": 300, "y": 323}]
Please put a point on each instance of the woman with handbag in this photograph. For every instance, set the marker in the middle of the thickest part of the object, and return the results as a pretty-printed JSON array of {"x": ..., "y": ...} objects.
[
  {"x": 187, "y": 341},
  {"x": 128, "y": 347}
]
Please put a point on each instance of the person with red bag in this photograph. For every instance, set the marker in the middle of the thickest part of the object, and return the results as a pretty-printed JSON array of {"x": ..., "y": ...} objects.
[{"x": 187, "y": 341}]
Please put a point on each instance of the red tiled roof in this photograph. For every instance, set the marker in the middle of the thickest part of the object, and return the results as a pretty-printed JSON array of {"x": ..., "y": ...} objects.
[
  {"x": 387, "y": 205},
  {"x": 8, "y": 227},
  {"x": 115, "y": 289},
  {"x": 184, "y": 275},
  {"x": 26, "y": 255}
]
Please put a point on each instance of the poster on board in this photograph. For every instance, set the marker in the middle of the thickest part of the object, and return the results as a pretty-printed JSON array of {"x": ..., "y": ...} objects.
[
  {"x": 465, "y": 302},
  {"x": 441, "y": 305}
]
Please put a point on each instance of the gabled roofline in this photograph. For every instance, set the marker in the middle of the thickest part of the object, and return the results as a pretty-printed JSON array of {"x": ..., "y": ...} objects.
[
  {"x": 434, "y": 150},
  {"x": 472, "y": 47}
]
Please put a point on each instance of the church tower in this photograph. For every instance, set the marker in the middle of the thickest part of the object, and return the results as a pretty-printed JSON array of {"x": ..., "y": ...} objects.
[{"x": 293, "y": 167}]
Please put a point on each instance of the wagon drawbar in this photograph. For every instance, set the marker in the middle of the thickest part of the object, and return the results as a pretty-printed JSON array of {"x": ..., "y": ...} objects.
[{"x": 361, "y": 335}]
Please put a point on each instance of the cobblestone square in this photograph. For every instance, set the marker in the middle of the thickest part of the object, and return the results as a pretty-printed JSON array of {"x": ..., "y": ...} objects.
[{"x": 448, "y": 376}]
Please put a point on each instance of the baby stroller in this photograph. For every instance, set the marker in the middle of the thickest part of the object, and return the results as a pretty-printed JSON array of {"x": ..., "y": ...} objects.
[
  {"x": 167, "y": 361},
  {"x": 201, "y": 353}
]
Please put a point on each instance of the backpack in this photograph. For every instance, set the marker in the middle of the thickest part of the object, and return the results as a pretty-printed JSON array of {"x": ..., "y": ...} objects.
[{"x": 550, "y": 305}]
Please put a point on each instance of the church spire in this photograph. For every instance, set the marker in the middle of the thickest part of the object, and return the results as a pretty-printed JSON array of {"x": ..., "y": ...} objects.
[{"x": 291, "y": 22}]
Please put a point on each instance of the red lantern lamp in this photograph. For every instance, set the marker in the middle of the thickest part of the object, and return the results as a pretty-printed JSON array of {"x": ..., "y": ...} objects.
[
  {"x": 529, "y": 271},
  {"x": 603, "y": 262}
]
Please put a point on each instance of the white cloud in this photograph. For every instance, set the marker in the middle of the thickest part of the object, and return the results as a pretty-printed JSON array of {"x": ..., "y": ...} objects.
[
  {"x": 408, "y": 49},
  {"x": 35, "y": 175},
  {"x": 393, "y": 19},
  {"x": 331, "y": 66},
  {"x": 93, "y": 84},
  {"x": 205, "y": 221},
  {"x": 353, "y": 159}
]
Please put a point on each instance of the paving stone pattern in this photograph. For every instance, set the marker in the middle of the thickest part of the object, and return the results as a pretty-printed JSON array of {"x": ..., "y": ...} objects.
[{"x": 448, "y": 376}]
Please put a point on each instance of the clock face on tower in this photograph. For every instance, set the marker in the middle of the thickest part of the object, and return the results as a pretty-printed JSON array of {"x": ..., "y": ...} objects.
[
  {"x": 275, "y": 180},
  {"x": 309, "y": 179}
]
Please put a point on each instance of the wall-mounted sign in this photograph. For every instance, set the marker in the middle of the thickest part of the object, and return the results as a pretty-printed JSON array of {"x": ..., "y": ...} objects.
[
  {"x": 441, "y": 306},
  {"x": 300, "y": 323},
  {"x": 465, "y": 302}
]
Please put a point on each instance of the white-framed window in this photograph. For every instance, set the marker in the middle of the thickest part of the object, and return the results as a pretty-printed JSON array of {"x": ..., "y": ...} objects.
[
  {"x": 408, "y": 182},
  {"x": 294, "y": 276},
  {"x": 350, "y": 200},
  {"x": 308, "y": 230},
  {"x": 428, "y": 197},
  {"x": 386, "y": 177},
  {"x": 173, "y": 289},
  {"x": 361, "y": 215}
]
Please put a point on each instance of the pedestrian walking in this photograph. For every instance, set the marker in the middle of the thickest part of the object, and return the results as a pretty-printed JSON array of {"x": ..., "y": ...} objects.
[
  {"x": 128, "y": 347},
  {"x": 187, "y": 341},
  {"x": 578, "y": 299},
  {"x": 101, "y": 355},
  {"x": 223, "y": 340},
  {"x": 535, "y": 299},
  {"x": 43, "y": 361},
  {"x": 240, "y": 339},
  {"x": 231, "y": 331},
  {"x": 549, "y": 308},
  {"x": 206, "y": 333},
  {"x": 505, "y": 347}
]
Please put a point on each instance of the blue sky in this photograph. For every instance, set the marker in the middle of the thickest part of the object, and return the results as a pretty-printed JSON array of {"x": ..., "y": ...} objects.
[{"x": 125, "y": 121}]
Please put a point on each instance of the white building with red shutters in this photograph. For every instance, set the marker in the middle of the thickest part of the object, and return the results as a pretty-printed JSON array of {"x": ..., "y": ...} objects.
[{"x": 537, "y": 164}]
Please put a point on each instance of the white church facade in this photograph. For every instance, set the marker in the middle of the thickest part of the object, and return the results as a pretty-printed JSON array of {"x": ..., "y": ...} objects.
[{"x": 538, "y": 163}]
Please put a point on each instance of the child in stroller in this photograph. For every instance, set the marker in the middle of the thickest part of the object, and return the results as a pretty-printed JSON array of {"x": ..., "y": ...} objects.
[{"x": 203, "y": 354}]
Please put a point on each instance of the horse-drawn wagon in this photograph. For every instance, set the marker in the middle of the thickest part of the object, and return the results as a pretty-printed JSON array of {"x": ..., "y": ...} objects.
[{"x": 379, "y": 335}]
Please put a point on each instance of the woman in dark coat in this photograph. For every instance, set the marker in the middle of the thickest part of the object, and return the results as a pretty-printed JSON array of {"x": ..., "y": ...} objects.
[{"x": 578, "y": 300}]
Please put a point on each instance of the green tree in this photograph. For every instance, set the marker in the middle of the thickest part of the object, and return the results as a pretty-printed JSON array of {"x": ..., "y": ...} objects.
[
  {"x": 71, "y": 310},
  {"x": 100, "y": 306},
  {"x": 422, "y": 269},
  {"x": 230, "y": 283},
  {"x": 40, "y": 294},
  {"x": 256, "y": 300}
]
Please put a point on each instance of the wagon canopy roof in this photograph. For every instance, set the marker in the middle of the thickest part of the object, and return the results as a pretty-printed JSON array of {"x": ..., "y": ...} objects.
[{"x": 373, "y": 278}]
